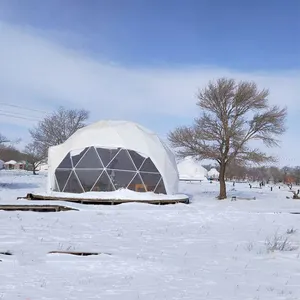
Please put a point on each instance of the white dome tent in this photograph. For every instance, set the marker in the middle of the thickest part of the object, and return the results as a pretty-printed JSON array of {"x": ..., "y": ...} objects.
[
  {"x": 213, "y": 173},
  {"x": 190, "y": 169},
  {"x": 110, "y": 155}
]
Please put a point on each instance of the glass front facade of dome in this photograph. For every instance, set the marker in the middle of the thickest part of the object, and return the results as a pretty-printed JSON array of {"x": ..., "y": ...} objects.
[{"x": 107, "y": 169}]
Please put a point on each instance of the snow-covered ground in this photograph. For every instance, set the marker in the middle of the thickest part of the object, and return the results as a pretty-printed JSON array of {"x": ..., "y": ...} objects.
[{"x": 208, "y": 249}]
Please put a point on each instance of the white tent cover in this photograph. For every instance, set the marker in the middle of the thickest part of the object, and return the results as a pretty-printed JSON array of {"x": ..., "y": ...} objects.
[
  {"x": 190, "y": 169},
  {"x": 213, "y": 173},
  {"x": 118, "y": 134}
]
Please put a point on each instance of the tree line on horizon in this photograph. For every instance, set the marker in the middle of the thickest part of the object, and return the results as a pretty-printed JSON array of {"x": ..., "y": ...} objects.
[{"x": 231, "y": 116}]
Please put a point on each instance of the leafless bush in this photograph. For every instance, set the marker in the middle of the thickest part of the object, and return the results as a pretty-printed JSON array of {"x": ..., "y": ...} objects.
[{"x": 279, "y": 243}]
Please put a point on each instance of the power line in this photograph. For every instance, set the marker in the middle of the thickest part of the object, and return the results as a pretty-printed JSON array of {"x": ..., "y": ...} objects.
[
  {"x": 19, "y": 117},
  {"x": 23, "y": 107},
  {"x": 19, "y": 114}
]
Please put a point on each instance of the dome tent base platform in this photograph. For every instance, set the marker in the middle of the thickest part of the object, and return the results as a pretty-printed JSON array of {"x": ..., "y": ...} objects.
[{"x": 100, "y": 201}]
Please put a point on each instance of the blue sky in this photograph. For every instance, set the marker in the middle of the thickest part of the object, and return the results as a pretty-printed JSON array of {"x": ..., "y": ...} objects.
[
  {"x": 147, "y": 58},
  {"x": 236, "y": 34}
]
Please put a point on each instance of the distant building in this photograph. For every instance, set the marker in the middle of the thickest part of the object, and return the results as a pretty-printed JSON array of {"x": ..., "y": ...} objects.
[
  {"x": 21, "y": 165},
  {"x": 10, "y": 165}
]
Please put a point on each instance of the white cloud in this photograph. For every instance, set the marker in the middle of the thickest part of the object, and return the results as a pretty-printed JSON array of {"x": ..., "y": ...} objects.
[{"x": 39, "y": 73}]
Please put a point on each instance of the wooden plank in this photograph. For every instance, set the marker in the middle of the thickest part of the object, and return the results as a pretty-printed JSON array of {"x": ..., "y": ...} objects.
[
  {"x": 36, "y": 208},
  {"x": 99, "y": 201}
]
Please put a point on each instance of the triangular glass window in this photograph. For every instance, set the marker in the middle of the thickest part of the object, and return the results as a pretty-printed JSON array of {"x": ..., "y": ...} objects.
[
  {"x": 137, "y": 184},
  {"x": 90, "y": 160},
  {"x": 160, "y": 187},
  {"x": 120, "y": 179},
  {"x": 122, "y": 161},
  {"x": 62, "y": 177},
  {"x": 103, "y": 184},
  {"x": 65, "y": 163},
  {"x": 137, "y": 158},
  {"x": 107, "y": 155},
  {"x": 150, "y": 180},
  {"x": 148, "y": 166},
  {"x": 88, "y": 178},
  {"x": 73, "y": 185},
  {"x": 76, "y": 158}
]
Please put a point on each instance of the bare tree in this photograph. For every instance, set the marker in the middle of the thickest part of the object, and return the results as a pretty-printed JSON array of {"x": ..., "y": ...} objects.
[
  {"x": 34, "y": 156},
  {"x": 57, "y": 128},
  {"x": 9, "y": 152},
  {"x": 235, "y": 172},
  {"x": 275, "y": 174},
  {"x": 3, "y": 139},
  {"x": 232, "y": 115}
]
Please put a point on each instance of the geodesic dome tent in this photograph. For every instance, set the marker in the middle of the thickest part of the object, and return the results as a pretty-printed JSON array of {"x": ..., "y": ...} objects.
[
  {"x": 190, "y": 169},
  {"x": 110, "y": 155},
  {"x": 213, "y": 173}
]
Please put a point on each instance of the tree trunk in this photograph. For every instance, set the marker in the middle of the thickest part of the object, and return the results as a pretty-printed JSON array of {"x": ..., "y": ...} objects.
[{"x": 222, "y": 194}]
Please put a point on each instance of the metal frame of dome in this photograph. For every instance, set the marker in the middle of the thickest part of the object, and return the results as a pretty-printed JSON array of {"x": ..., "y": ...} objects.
[{"x": 104, "y": 169}]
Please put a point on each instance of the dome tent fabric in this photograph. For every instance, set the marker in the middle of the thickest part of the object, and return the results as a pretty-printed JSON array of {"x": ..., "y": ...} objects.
[
  {"x": 190, "y": 169},
  {"x": 213, "y": 173},
  {"x": 109, "y": 155}
]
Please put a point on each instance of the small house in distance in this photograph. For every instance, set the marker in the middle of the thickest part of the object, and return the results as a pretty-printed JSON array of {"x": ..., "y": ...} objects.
[
  {"x": 10, "y": 165},
  {"x": 112, "y": 155},
  {"x": 21, "y": 165}
]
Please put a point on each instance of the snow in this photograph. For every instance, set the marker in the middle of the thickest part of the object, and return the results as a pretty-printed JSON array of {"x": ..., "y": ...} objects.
[
  {"x": 119, "y": 194},
  {"x": 209, "y": 249},
  {"x": 189, "y": 169}
]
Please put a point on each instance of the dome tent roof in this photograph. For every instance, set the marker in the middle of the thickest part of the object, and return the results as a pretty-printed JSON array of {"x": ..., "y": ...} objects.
[
  {"x": 189, "y": 168},
  {"x": 118, "y": 134},
  {"x": 213, "y": 173}
]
